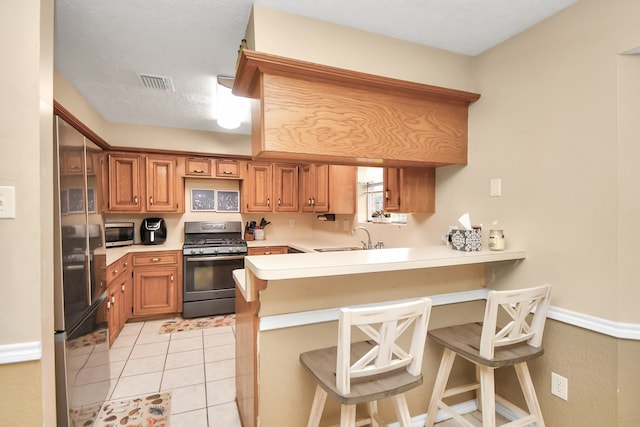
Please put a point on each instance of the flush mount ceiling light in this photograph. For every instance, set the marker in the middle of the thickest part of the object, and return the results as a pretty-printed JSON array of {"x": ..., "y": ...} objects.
[{"x": 231, "y": 109}]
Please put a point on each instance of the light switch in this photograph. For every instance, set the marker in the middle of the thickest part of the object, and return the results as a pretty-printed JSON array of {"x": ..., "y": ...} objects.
[
  {"x": 7, "y": 202},
  {"x": 496, "y": 187}
]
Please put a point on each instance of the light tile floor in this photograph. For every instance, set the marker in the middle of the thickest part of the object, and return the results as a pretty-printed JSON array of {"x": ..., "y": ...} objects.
[{"x": 197, "y": 367}]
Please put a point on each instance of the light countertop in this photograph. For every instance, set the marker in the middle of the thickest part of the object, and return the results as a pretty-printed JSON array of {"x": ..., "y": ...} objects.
[
  {"x": 315, "y": 264},
  {"x": 325, "y": 264}
]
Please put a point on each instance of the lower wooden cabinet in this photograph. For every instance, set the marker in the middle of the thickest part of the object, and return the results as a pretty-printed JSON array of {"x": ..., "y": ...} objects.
[{"x": 157, "y": 288}]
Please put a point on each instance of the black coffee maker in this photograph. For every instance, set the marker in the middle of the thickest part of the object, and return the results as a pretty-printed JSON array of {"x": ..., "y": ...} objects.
[{"x": 153, "y": 231}]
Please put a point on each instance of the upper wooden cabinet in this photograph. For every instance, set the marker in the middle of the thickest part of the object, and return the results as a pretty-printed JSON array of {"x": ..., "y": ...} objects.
[
  {"x": 257, "y": 188},
  {"x": 161, "y": 184},
  {"x": 154, "y": 188},
  {"x": 124, "y": 190},
  {"x": 328, "y": 188},
  {"x": 409, "y": 190},
  {"x": 313, "y": 112},
  {"x": 285, "y": 188}
]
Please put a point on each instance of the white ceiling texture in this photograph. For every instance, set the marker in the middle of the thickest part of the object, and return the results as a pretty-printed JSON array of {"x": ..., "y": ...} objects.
[{"x": 101, "y": 46}]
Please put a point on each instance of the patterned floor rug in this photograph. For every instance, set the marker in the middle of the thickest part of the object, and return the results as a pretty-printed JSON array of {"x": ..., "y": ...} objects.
[
  {"x": 180, "y": 325},
  {"x": 143, "y": 411}
]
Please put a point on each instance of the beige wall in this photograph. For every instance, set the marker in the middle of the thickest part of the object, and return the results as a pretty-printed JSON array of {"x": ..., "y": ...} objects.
[{"x": 26, "y": 36}]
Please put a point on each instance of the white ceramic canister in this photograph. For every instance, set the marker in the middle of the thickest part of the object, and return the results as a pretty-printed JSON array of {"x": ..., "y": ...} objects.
[
  {"x": 496, "y": 240},
  {"x": 258, "y": 234}
]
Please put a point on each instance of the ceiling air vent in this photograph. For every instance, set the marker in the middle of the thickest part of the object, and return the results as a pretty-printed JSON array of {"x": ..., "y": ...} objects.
[{"x": 152, "y": 81}]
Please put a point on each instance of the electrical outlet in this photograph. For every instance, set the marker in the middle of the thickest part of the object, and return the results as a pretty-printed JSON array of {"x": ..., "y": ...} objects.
[
  {"x": 559, "y": 386},
  {"x": 292, "y": 222}
]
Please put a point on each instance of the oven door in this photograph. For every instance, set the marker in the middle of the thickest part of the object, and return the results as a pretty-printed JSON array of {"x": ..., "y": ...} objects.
[{"x": 210, "y": 277}]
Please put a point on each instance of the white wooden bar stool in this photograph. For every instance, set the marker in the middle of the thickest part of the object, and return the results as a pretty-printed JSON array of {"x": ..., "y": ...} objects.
[
  {"x": 368, "y": 371},
  {"x": 489, "y": 346}
]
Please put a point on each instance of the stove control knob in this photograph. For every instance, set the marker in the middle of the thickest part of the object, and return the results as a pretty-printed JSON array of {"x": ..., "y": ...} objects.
[
  {"x": 193, "y": 251},
  {"x": 201, "y": 251}
]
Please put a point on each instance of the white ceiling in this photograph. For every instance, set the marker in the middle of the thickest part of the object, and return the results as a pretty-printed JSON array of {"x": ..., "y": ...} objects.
[{"x": 102, "y": 45}]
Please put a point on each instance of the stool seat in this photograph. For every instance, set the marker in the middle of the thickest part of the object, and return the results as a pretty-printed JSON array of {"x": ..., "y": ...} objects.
[
  {"x": 321, "y": 364},
  {"x": 465, "y": 340}
]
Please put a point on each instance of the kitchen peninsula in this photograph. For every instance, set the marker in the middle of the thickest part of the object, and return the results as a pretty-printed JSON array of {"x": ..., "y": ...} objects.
[{"x": 288, "y": 304}]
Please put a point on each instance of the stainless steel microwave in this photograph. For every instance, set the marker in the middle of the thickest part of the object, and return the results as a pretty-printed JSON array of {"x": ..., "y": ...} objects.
[{"x": 118, "y": 234}]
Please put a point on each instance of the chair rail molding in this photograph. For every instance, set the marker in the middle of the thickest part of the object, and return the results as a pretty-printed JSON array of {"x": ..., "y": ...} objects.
[
  {"x": 20, "y": 352},
  {"x": 622, "y": 330}
]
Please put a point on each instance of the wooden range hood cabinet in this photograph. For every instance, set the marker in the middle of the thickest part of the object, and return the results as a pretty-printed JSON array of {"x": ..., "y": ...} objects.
[{"x": 310, "y": 112}]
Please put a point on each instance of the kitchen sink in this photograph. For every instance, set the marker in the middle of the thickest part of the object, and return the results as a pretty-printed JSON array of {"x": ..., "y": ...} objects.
[{"x": 339, "y": 249}]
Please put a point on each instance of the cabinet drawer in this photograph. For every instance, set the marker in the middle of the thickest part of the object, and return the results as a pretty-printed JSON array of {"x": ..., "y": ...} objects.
[
  {"x": 198, "y": 167},
  {"x": 155, "y": 258},
  {"x": 268, "y": 250},
  {"x": 117, "y": 268}
]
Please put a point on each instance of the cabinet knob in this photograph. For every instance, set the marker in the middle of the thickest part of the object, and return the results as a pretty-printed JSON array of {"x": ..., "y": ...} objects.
[
  {"x": 151, "y": 200},
  {"x": 172, "y": 277},
  {"x": 198, "y": 171},
  {"x": 123, "y": 287},
  {"x": 268, "y": 202},
  {"x": 115, "y": 271},
  {"x": 155, "y": 259},
  {"x": 313, "y": 201},
  {"x": 135, "y": 199},
  {"x": 227, "y": 172},
  {"x": 279, "y": 202}
]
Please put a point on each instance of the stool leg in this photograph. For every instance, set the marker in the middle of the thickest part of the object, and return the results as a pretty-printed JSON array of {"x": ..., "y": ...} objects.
[
  {"x": 373, "y": 413},
  {"x": 488, "y": 398},
  {"x": 524, "y": 377},
  {"x": 402, "y": 410},
  {"x": 446, "y": 363},
  {"x": 317, "y": 406},
  {"x": 348, "y": 415}
]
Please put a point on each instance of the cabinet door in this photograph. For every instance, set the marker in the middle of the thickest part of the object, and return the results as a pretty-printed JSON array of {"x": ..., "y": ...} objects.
[
  {"x": 126, "y": 298},
  {"x": 321, "y": 193},
  {"x": 410, "y": 190},
  {"x": 155, "y": 291},
  {"x": 342, "y": 189},
  {"x": 113, "y": 318},
  {"x": 286, "y": 188},
  {"x": 257, "y": 188},
  {"x": 391, "y": 178},
  {"x": 198, "y": 167},
  {"x": 228, "y": 168},
  {"x": 307, "y": 188},
  {"x": 124, "y": 183},
  {"x": 161, "y": 184}
]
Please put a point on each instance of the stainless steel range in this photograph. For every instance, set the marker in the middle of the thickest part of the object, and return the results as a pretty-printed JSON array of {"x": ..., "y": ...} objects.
[{"x": 211, "y": 251}]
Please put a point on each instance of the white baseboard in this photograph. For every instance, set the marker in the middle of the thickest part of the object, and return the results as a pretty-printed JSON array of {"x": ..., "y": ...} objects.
[{"x": 21, "y": 352}]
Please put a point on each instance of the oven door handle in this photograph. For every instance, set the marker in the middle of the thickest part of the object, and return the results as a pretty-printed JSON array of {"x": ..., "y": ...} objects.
[{"x": 213, "y": 258}]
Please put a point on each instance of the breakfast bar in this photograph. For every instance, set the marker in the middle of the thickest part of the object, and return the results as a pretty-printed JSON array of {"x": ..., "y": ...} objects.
[{"x": 287, "y": 304}]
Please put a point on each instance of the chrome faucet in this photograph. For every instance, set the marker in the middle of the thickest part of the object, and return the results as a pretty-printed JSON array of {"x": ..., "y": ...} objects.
[{"x": 367, "y": 245}]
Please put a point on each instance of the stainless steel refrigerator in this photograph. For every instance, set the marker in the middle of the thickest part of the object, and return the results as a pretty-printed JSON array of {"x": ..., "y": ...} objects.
[{"x": 81, "y": 329}]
